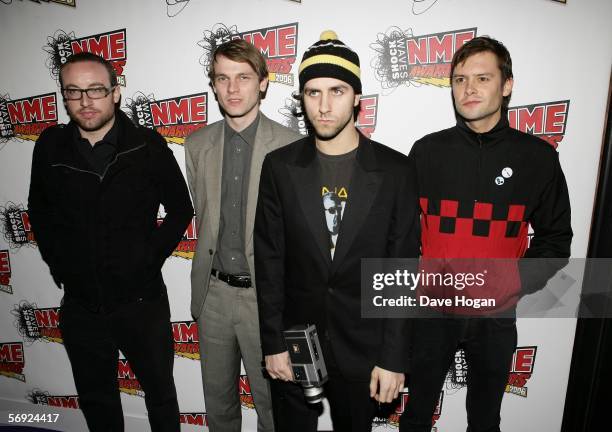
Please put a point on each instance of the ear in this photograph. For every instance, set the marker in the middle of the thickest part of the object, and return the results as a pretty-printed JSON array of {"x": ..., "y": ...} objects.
[
  {"x": 116, "y": 94},
  {"x": 357, "y": 99},
  {"x": 507, "y": 88},
  {"x": 263, "y": 85}
]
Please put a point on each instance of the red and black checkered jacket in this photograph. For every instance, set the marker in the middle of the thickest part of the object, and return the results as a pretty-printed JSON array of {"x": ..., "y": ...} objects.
[{"x": 480, "y": 192}]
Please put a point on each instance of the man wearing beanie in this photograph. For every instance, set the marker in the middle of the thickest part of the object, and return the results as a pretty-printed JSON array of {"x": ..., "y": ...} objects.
[{"x": 325, "y": 202}]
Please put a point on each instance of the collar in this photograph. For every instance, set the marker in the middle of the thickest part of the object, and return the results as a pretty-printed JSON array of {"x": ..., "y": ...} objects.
[
  {"x": 111, "y": 137},
  {"x": 247, "y": 134},
  {"x": 486, "y": 138},
  {"x": 365, "y": 153}
]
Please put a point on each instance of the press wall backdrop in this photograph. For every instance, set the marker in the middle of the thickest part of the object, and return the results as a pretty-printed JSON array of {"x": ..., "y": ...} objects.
[{"x": 562, "y": 52}]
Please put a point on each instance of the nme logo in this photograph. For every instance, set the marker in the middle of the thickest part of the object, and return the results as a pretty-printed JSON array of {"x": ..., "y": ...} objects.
[
  {"x": 405, "y": 59},
  {"x": 12, "y": 360},
  {"x": 295, "y": 118},
  {"x": 37, "y": 323},
  {"x": 112, "y": 46},
  {"x": 186, "y": 339},
  {"x": 173, "y": 118},
  {"x": 40, "y": 397},
  {"x": 128, "y": 383},
  {"x": 394, "y": 418},
  {"x": 523, "y": 362},
  {"x": 545, "y": 120},
  {"x": 196, "y": 419},
  {"x": 5, "y": 272},
  {"x": 277, "y": 44},
  {"x": 26, "y": 118},
  {"x": 15, "y": 226},
  {"x": 244, "y": 390}
]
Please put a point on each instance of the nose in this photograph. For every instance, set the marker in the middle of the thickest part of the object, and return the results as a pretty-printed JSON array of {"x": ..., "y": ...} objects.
[
  {"x": 324, "y": 105},
  {"x": 232, "y": 86},
  {"x": 85, "y": 100},
  {"x": 470, "y": 87}
]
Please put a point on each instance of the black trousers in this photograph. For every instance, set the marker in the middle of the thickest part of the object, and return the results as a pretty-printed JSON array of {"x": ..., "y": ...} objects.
[
  {"x": 142, "y": 331},
  {"x": 489, "y": 345},
  {"x": 351, "y": 408}
]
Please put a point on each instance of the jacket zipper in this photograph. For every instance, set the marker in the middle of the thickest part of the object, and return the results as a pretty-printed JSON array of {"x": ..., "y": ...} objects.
[
  {"x": 100, "y": 176},
  {"x": 479, "y": 171}
]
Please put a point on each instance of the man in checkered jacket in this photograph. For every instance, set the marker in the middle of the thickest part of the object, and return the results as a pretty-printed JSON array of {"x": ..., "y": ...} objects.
[{"x": 481, "y": 185}]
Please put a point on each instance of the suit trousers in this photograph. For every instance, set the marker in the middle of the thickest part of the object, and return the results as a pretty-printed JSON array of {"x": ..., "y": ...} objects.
[
  {"x": 351, "y": 408},
  {"x": 229, "y": 330},
  {"x": 143, "y": 333},
  {"x": 489, "y": 345}
]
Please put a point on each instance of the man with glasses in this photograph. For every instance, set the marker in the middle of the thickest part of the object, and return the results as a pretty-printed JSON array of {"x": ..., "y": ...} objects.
[{"x": 96, "y": 187}]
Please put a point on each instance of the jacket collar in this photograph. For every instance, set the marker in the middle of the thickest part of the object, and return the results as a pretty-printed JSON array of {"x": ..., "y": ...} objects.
[
  {"x": 486, "y": 138},
  {"x": 365, "y": 154}
]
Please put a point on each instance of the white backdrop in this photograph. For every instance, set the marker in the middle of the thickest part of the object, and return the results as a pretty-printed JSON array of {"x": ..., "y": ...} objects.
[{"x": 561, "y": 53}]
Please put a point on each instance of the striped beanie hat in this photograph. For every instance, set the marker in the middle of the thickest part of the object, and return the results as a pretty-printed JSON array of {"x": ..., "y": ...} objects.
[{"x": 330, "y": 58}]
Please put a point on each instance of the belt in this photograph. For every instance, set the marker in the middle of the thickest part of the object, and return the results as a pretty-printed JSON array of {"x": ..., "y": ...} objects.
[{"x": 238, "y": 281}]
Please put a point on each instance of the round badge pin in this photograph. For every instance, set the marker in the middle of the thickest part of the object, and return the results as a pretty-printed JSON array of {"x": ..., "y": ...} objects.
[
  {"x": 507, "y": 172},
  {"x": 499, "y": 180}
]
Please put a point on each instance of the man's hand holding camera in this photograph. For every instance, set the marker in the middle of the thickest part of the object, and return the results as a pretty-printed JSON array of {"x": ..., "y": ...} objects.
[{"x": 279, "y": 366}]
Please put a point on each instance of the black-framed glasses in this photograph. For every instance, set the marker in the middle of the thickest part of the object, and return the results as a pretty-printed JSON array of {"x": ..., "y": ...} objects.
[{"x": 92, "y": 92}]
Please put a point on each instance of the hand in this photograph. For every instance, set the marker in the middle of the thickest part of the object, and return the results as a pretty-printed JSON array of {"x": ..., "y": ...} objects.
[
  {"x": 388, "y": 384},
  {"x": 279, "y": 366}
]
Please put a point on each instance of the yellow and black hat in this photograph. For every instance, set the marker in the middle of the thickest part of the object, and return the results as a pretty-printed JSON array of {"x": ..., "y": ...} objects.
[{"x": 330, "y": 58}]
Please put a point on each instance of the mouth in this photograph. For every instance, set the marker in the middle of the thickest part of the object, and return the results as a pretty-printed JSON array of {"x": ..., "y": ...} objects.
[
  {"x": 471, "y": 103},
  {"x": 88, "y": 114}
]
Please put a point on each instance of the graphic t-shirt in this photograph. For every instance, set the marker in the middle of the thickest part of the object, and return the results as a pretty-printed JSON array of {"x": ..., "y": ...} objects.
[{"x": 336, "y": 172}]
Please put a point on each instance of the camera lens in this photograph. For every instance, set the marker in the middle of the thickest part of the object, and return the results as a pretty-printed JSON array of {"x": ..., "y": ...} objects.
[{"x": 313, "y": 394}]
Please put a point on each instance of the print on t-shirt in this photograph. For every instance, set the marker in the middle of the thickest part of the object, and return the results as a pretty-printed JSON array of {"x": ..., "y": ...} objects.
[{"x": 334, "y": 202}]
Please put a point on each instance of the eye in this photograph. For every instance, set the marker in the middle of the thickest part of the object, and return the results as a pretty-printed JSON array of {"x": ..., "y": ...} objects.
[
  {"x": 220, "y": 79},
  {"x": 337, "y": 91},
  {"x": 312, "y": 93},
  {"x": 70, "y": 93},
  {"x": 245, "y": 77},
  {"x": 483, "y": 79},
  {"x": 458, "y": 80},
  {"x": 96, "y": 92}
]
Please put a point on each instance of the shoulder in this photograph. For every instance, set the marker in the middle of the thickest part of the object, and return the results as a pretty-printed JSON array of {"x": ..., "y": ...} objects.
[
  {"x": 278, "y": 131},
  {"x": 199, "y": 137},
  {"x": 387, "y": 157},
  {"x": 290, "y": 152},
  {"x": 437, "y": 139},
  {"x": 536, "y": 147}
]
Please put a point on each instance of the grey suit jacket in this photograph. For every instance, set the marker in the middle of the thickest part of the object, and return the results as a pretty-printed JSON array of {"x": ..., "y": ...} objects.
[{"x": 204, "y": 161}]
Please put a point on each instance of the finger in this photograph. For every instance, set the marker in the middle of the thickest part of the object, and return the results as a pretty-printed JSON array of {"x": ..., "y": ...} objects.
[{"x": 373, "y": 386}]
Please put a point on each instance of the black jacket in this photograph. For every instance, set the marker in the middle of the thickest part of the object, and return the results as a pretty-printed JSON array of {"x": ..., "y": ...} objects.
[
  {"x": 297, "y": 281},
  {"x": 479, "y": 193},
  {"x": 99, "y": 233}
]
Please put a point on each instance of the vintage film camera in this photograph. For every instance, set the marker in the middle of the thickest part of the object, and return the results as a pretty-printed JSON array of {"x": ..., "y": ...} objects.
[{"x": 307, "y": 360}]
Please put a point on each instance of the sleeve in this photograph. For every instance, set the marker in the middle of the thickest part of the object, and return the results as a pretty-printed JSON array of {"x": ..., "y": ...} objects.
[
  {"x": 191, "y": 169},
  {"x": 403, "y": 242},
  {"x": 174, "y": 196},
  {"x": 42, "y": 208},
  {"x": 269, "y": 246},
  {"x": 551, "y": 223}
]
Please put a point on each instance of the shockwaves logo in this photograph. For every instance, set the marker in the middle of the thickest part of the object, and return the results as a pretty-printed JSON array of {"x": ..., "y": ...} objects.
[
  {"x": 405, "y": 59},
  {"x": 186, "y": 339},
  {"x": 187, "y": 246},
  {"x": 521, "y": 369},
  {"x": 295, "y": 118},
  {"x": 195, "y": 419},
  {"x": 128, "y": 383},
  {"x": 277, "y": 44},
  {"x": 36, "y": 324},
  {"x": 173, "y": 118},
  {"x": 421, "y": 6},
  {"x": 244, "y": 391},
  {"x": 40, "y": 397},
  {"x": 12, "y": 360},
  {"x": 523, "y": 362},
  {"x": 15, "y": 226},
  {"x": 384, "y": 419},
  {"x": 62, "y": 2},
  {"x": 26, "y": 118},
  {"x": 545, "y": 120},
  {"x": 111, "y": 46},
  {"x": 5, "y": 272}
]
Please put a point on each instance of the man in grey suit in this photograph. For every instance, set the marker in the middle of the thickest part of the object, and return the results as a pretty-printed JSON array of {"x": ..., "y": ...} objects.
[{"x": 223, "y": 166}]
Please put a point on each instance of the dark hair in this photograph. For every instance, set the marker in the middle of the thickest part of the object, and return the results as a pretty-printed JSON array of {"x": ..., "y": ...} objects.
[
  {"x": 483, "y": 44},
  {"x": 240, "y": 51},
  {"x": 90, "y": 57}
]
